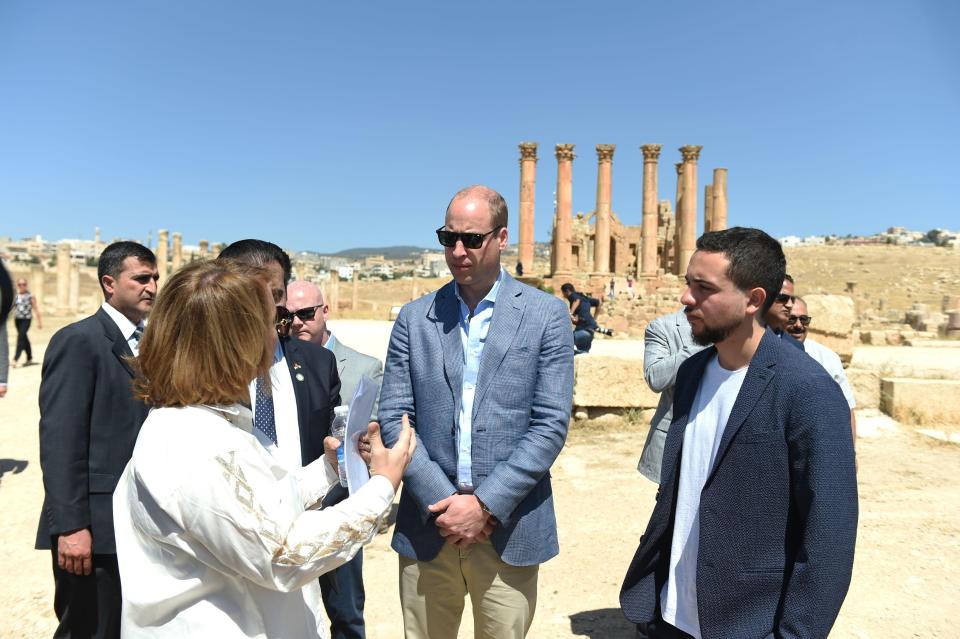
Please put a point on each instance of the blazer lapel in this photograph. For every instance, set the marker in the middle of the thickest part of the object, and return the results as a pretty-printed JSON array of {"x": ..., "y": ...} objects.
[
  {"x": 507, "y": 315},
  {"x": 758, "y": 376},
  {"x": 447, "y": 321},
  {"x": 120, "y": 348},
  {"x": 341, "y": 358},
  {"x": 301, "y": 389}
]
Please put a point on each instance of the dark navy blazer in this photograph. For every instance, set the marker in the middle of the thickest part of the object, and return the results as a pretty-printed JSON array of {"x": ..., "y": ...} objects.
[{"x": 778, "y": 512}]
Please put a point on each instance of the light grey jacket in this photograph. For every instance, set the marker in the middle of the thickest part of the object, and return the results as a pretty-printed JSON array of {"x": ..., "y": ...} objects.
[
  {"x": 521, "y": 412},
  {"x": 351, "y": 366},
  {"x": 667, "y": 343}
]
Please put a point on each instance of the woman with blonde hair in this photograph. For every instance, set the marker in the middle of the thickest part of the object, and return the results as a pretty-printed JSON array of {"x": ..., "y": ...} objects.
[{"x": 214, "y": 537}]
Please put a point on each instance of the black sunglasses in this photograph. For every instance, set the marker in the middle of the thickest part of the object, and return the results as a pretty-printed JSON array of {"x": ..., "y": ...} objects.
[
  {"x": 783, "y": 298},
  {"x": 470, "y": 240},
  {"x": 803, "y": 319},
  {"x": 308, "y": 313}
]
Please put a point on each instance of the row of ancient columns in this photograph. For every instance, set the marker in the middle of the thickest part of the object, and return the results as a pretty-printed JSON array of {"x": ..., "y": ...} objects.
[{"x": 684, "y": 242}]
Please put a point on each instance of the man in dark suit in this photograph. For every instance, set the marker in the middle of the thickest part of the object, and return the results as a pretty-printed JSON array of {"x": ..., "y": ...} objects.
[
  {"x": 754, "y": 527},
  {"x": 89, "y": 420}
]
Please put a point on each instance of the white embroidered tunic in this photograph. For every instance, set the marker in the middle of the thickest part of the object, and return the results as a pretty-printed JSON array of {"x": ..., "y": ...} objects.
[{"x": 217, "y": 539}]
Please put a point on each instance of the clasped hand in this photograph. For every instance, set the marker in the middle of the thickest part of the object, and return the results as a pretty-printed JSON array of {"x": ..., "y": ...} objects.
[{"x": 462, "y": 521}]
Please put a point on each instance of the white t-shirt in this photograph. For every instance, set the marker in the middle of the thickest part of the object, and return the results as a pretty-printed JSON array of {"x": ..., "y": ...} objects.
[
  {"x": 832, "y": 364},
  {"x": 708, "y": 418}
]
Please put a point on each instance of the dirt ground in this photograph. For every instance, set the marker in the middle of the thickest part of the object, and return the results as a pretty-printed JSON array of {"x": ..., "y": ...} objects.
[{"x": 908, "y": 550}]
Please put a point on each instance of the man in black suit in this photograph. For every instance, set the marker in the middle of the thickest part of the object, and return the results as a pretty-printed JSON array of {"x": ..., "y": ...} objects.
[
  {"x": 755, "y": 523},
  {"x": 89, "y": 421}
]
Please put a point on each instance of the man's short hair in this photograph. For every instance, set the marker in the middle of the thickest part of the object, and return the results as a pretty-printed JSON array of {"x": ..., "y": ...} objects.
[
  {"x": 258, "y": 253},
  {"x": 495, "y": 202},
  {"x": 567, "y": 288},
  {"x": 756, "y": 259},
  {"x": 206, "y": 338},
  {"x": 112, "y": 257}
]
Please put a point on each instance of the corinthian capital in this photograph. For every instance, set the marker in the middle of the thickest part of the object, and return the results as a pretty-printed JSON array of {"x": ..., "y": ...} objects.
[
  {"x": 651, "y": 152},
  {"x": 605, "y": 152},
  {"x": 690, "y": 153},
  {"x": 528, "y": 151},
  {"x": 565, "y": 152}
]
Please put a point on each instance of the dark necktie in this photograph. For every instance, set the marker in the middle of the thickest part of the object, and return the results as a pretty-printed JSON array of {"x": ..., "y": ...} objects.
[
  {"x": 263, "y": 413},
  {"x": 137, "y": 334}
]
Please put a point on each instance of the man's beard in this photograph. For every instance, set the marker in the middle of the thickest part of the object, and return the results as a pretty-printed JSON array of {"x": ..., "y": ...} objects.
[{"x": 713, "y": 334}]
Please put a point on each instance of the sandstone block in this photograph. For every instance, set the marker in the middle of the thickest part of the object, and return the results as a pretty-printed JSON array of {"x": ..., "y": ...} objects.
[
  {"x": 842, "y": 346},
  {"x": 832, "y": 314},
  {"x": 612, "y": 382},
  {"x": 866, "y": 387},
  {"x": 921, "y": 401}
]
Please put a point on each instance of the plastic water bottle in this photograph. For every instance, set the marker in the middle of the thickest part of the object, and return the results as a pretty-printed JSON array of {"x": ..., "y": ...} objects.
[{"x": 338, "y": 429}]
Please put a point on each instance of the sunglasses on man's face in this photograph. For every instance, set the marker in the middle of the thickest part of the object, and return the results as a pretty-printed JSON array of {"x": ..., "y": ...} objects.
[
  {"x": 803, "y": 319},
  {"x": 308, "y": 313},
  {"x": 783, "y": 298},
  {"x": 470, "y": 240}
]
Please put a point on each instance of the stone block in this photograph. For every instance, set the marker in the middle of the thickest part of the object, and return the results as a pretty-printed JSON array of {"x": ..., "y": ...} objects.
[
  {"x": 842, "y": 346},
  {"x": 866, "y": 387},
  {"x": 832, "y": 314},
  {"x": 612, "y": 382},
  {"x": 921, "y": 401}
]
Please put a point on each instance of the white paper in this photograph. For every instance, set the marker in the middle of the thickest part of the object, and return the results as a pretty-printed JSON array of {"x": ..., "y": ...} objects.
[{"x": 358, "y": 417}]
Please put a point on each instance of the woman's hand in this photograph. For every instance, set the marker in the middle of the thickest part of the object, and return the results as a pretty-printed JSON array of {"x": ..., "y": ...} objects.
[
  {"x": 391, "y": 462},
  {"x": 330, "y": 446}
]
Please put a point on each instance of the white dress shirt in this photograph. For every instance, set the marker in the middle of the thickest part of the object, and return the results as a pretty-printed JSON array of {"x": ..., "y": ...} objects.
[
  {"x": 216, "y": 539},
  {"x": 125, "y": 325},
  {"x": 832, "y": 364},
  {"x": 286, "y": 420}
]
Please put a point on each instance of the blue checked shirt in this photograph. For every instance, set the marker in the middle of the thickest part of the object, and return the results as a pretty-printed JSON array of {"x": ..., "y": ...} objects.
[{"x": 473, "y": 335}]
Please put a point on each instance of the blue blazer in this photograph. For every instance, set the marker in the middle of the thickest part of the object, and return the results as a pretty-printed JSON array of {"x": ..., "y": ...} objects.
[
  {"x": 521, "y": 411},
  {"x": 778, "y": 513}
]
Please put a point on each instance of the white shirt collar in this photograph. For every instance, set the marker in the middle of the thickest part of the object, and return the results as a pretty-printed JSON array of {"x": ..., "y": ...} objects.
[
  {"x": 125, "y": 325},
  {"x": 330, "y": 342},
  {"x": 237, "y": 414}
]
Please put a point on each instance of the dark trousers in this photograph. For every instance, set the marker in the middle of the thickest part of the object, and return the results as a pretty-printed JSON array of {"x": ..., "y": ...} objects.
[
  {"x": 23, "y": 343},
  {"x": 343, "y": 598},
  {"x": 88, "y": 607}
]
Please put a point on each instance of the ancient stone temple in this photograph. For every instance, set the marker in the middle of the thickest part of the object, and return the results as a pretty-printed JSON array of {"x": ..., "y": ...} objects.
[{"x": 601, "y": 243}]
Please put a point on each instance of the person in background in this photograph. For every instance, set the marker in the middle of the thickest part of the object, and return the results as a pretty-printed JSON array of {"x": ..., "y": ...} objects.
[
  {"x": 584, "y": 323},
  {"x": 89, "y": 420},
  {"x": 776, "y": 316},
  {"x": 797, "y": 324},
  {"x": 25, "y": 308},
  {"x": 216, "y": 536}
]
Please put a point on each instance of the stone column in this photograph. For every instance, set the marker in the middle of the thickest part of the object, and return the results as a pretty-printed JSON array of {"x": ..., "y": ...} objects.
[
  {"x": 528, "y": 188},
  {"x": 177, "y": 252},
  {"x": 718, "y": 221},
  {"x": 161, "y": 257},
  {"x": 74, "y": 296},
  {"x": 708, "y": 208},
  {"x": 355, "y": 297},
  {"x": 688, "y": 229},
  {"x": 63, "y": 278},
  {"x": 334, "y": 301},
  {"x": 648, "y": 251},
  {"x": 677, "y": 222},
  {"x": 562, "y": 235},
  {"x": 601, "y": 230},
  {"x": 36, "y": 284},
  {"x": 204, "y": 249}
]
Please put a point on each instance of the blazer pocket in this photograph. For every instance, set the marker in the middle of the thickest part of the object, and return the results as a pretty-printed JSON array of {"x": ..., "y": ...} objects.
[{"x": 102, "y": 482}]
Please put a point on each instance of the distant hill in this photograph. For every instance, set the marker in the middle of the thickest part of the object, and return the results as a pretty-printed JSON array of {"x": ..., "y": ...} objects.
[{"x": 389, "y": 252}]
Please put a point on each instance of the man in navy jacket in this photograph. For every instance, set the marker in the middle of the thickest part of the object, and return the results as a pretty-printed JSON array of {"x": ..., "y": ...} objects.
[{"x": 754, "y": 528}]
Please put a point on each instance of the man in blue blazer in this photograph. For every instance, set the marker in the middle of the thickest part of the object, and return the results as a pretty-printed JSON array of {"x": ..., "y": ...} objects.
[
  {"x": 754, "y": 527},
  {"x": 484, "y": 369}
]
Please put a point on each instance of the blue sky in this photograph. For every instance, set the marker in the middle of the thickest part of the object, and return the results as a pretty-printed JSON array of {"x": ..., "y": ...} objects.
[{"x": 324, "y": 125}]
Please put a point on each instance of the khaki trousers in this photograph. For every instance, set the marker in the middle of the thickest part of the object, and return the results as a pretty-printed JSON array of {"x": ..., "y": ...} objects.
[{"x": 503, "y": 597}]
